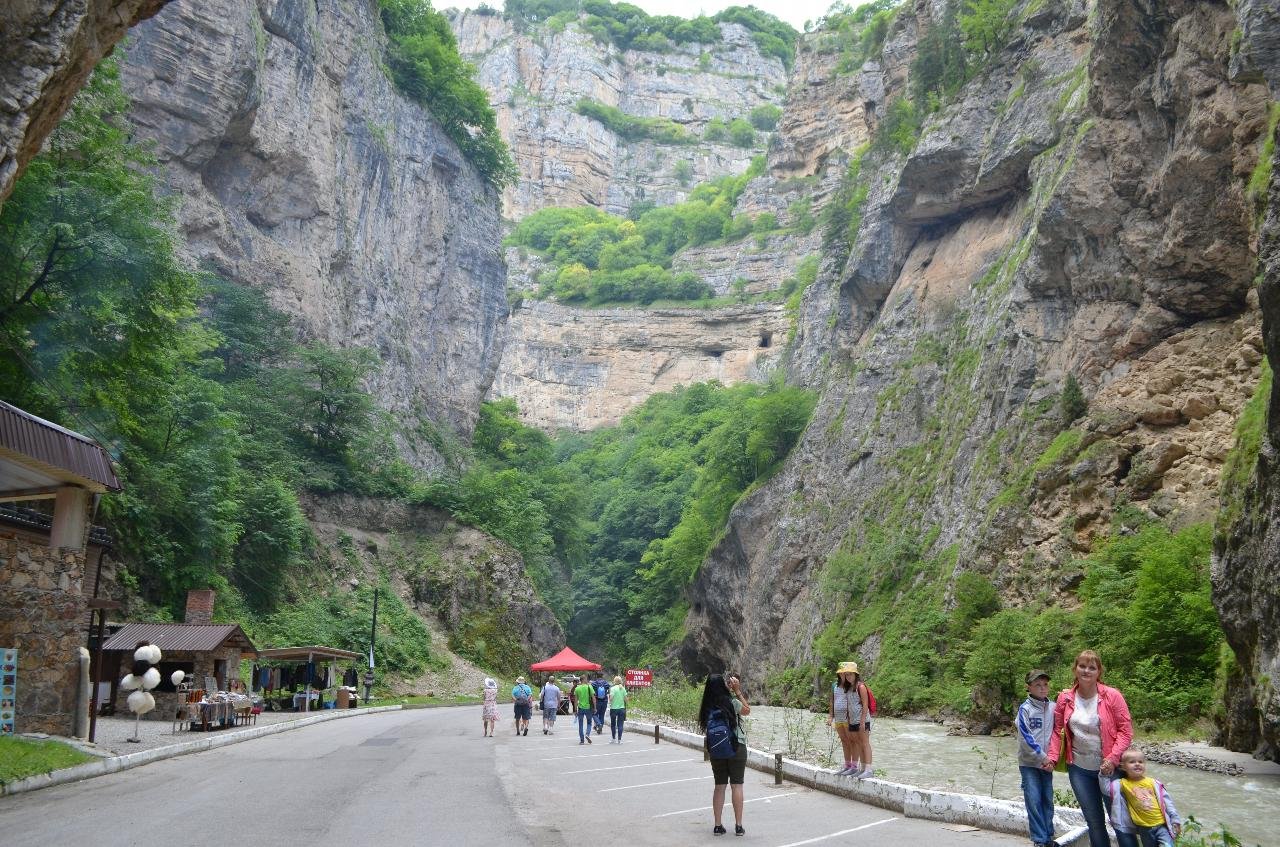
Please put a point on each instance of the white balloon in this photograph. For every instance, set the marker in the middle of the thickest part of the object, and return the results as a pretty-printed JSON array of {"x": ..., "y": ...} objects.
[
  {"x": 150, "y": 679},
  {"x": 140, "y": 702},
  {"x": 178, "y": 677},
  {"x": 142, "y": 654},
  {"x": 155, "y": 654},
  {"x": 130, "y": 682}
]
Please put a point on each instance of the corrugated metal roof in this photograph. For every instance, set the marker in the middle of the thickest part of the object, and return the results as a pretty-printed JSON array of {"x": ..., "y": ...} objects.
[
  {"x": 59, "y": 452},
  {"x": 285, "y": 653},
  {"x": 180, "y": 637}
]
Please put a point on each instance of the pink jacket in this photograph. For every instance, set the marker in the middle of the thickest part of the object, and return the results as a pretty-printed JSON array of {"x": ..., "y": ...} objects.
[{"x": 1113, "y": 720}]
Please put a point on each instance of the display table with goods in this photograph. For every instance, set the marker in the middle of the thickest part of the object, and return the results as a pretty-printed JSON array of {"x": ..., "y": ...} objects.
[{"x": 218, "y": 710}]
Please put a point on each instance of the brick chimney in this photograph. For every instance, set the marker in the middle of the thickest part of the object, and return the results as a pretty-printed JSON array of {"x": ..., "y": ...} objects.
[{"x": 199, "y": 606}]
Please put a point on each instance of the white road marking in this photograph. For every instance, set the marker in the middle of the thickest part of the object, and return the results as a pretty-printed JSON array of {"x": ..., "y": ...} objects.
[
  {"x": 645, "y": 765},
  {"x": 838, "y": 834},
  {"x": 650, "y": 784},
  {"x": 594, "y": 755},
  {"x": 708, "y": 808}
]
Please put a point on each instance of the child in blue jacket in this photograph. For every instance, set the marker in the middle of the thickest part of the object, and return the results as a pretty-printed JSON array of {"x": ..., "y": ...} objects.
[{"x": 1035, "y": 728}]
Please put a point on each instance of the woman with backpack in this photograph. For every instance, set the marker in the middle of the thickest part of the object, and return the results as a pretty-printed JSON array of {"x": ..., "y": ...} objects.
[
  {"x": 851, "y": 705},
  {"x": 720, "y": 718}
]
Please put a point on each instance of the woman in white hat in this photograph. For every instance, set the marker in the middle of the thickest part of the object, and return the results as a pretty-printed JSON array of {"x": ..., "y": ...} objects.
[
  {"x": 851, "y": 714},
  {"x": 490, "y": 711}
]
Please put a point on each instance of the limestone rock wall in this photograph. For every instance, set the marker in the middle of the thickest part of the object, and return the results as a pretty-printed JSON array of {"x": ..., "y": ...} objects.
[
  {"x": 583, "y": 368},
  {"x": 47, "y": 52},
  {"x": 1079, "y": 208},
  {"x": 300, "y": 170},
  {"x": 444, "y": 571},
  {"x": 535, "y": 79},
  {"x": 1246, "y": 566}
]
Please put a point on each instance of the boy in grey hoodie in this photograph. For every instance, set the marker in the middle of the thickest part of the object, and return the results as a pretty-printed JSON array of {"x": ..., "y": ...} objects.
[{"x": 1035, "y": 728}]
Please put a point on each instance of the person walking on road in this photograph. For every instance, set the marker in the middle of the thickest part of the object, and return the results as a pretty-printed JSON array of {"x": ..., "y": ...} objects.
[
  {"x": 489, "y": 713},
  {"x": 1092, "y": 729},
  {"x": 617, "y": 709},
  {"x": 522, "y": 694},
  {"x": 724, "y": 703},
  {"x": 550, "y": 701},
  {"x": 584, "y": 704},
  {"x": 601, "y": 689}
]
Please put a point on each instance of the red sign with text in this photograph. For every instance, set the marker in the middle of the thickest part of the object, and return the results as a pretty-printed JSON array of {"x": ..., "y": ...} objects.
[{"x": 639, "y": 679}]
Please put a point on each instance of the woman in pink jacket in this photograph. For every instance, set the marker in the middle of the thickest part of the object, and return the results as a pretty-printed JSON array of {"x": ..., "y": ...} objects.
[{"x": 1093, "y": 722}]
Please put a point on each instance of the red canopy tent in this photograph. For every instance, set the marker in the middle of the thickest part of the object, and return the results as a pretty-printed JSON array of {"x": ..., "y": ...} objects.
[{"x": 565, "y": 660}]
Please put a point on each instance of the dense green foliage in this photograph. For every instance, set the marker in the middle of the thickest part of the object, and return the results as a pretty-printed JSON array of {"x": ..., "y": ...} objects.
[
  {"x": 341, "y": 619},
  {"x": 216, "y": 416},
  {"x": 857, "y": 34},
  {"x": 513, "y": 487},
  {"x": 631, "y": 28},
  {"x": 660, "y": 486},
  {"x": 602, "y": 258},
  {"x": 423, "y": 59},
  {"x": 765, "y": 117},
  {"x": 632, "y": 128},
  {"x": 1145, "y": 608}
]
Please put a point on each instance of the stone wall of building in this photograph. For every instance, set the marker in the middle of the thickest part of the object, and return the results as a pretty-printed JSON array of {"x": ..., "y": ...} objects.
[
  {"x": 198, "y": 666},
  {"x": 43, "y": 615}
]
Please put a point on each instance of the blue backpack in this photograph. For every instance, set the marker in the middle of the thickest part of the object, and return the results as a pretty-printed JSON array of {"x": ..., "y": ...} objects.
[
  {"x": 602, "y": 690},
  {"x": 720, "y": 740}
]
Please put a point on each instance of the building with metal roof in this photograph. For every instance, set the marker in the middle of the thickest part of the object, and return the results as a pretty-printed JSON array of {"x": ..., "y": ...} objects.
[{"x": 43, "y": 569}]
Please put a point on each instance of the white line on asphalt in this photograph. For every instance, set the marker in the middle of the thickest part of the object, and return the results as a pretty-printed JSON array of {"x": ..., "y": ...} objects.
[
  {"x": 645, "y": 765},
  {"x": 708, "y": 808},
  {"x": 650, "y": 784},
  {"x": 594, "y": 755},
  {"x": 837, "y": 834}
]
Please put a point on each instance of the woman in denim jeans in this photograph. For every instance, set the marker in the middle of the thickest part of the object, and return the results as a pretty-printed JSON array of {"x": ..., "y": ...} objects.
[{"x": 1098, "y": 730}]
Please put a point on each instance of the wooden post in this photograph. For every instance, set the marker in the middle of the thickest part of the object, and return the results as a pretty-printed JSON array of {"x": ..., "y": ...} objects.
[
  {"x": 777, "y": 768},
  {"x": 655, "y": 733}
]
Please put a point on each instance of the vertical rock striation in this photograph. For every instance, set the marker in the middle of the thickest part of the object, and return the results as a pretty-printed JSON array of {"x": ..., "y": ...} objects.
[
  {"x": 1077, "y": 208},
  {"x": 48, "y": 50},
  {"x": 301, "y": 171},
  {"x": 1247, "y": 553}
]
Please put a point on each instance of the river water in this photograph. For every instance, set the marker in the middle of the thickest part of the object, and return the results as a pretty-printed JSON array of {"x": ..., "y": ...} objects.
[{"x": 921, "y": 753}]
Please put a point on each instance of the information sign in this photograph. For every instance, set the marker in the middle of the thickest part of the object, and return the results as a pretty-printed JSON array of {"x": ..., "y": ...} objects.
[{"x": 639, "y": 679}]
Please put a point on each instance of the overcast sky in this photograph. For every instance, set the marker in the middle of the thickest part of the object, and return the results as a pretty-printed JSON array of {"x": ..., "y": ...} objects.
[{"x": 794, "y": 12}]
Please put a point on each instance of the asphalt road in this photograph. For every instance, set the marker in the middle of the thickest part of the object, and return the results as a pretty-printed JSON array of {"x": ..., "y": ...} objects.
[{"x": 428, "y": 777}]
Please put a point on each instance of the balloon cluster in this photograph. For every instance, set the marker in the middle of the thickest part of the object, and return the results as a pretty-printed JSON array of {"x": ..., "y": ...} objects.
[{"x": 142, "y": 679}]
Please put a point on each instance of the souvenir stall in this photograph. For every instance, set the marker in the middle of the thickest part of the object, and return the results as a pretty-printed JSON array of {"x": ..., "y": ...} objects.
[
  {"x": 208, "y": 694},
  {"x": 306, "y": 678}
]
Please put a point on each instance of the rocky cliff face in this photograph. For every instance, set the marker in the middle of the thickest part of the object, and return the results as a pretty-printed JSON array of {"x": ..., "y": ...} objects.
[
  {"x": 580, "y": 369},
  {"x": 48, "y": 51},
  {"x": 300, "y": 170},
  {"x": 1247, "y": 553},
  {"x": 1077, "y": 209},
  {"x": 535, "y": 79},
  {"x": 456, "y": 578}
]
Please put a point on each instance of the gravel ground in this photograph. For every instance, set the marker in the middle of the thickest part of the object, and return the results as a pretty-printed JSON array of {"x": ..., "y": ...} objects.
[{"x": 112, "y": 732}]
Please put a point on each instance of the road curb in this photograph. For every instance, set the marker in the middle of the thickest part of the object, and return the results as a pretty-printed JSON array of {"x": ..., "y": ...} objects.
[
  {"x": 1007, "y": 816},
  {"x": 88, "y": 770}
]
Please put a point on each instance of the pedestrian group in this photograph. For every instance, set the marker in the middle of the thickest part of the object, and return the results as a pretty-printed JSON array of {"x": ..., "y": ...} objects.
[{"x": 1086, "y": 731}]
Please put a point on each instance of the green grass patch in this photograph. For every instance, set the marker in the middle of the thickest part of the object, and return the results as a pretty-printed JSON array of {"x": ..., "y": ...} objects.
[{"x": 24, "y": 757}]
